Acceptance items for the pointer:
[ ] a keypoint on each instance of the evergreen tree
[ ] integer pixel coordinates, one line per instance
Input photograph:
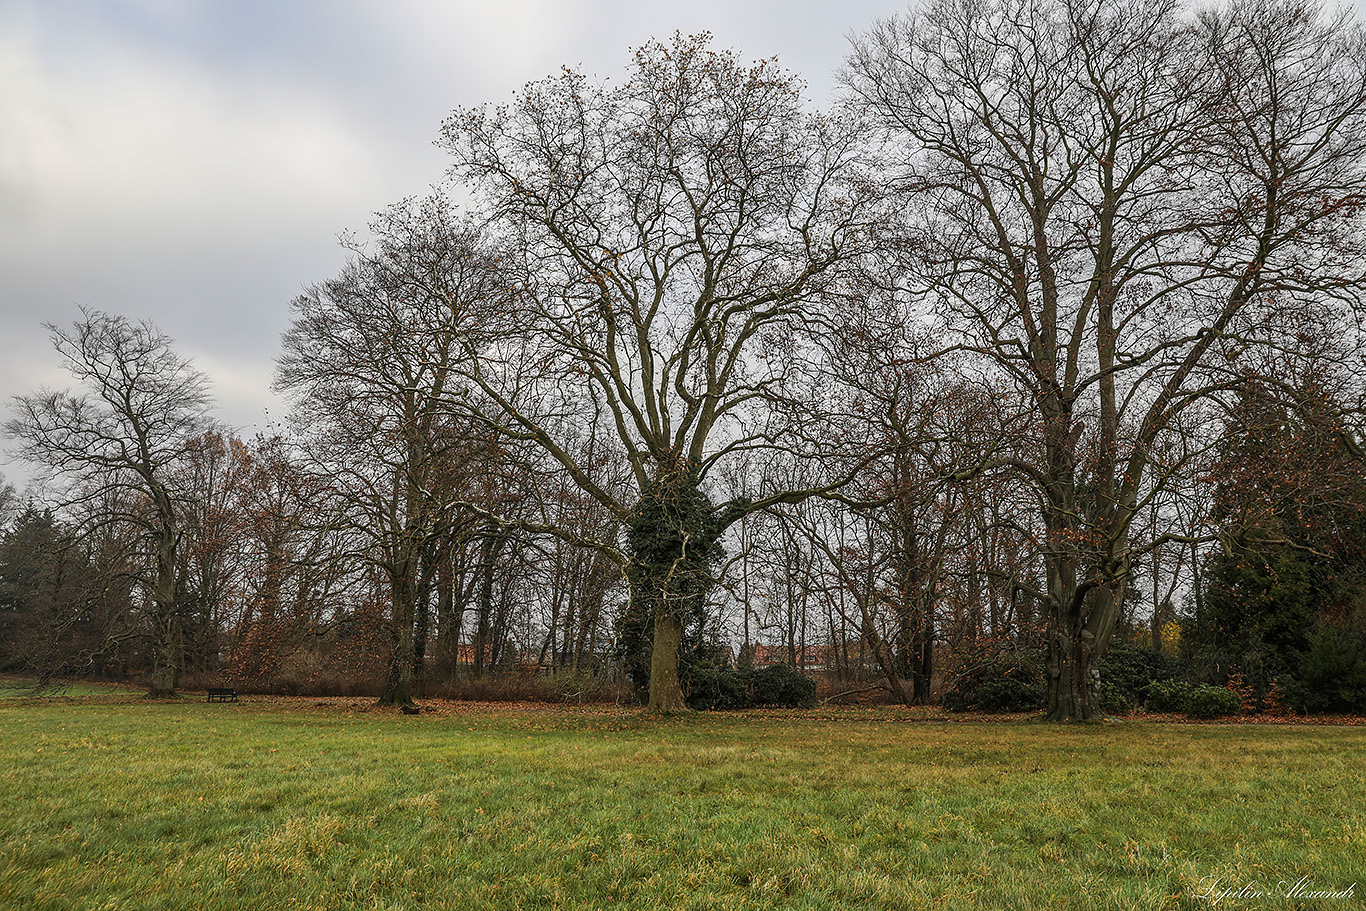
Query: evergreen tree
(1291, 501)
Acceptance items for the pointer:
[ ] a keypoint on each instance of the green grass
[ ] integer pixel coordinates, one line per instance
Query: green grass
(135, 805)
(24, 688)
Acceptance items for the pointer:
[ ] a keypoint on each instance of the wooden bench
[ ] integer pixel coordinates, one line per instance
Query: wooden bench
(222, 694)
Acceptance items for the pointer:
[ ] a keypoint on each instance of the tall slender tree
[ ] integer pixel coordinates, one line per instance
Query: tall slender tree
(372, 367)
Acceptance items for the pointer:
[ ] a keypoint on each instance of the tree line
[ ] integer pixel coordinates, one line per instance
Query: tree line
(1043, 338)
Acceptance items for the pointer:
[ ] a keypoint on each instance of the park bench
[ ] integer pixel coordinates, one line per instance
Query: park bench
(222, 694)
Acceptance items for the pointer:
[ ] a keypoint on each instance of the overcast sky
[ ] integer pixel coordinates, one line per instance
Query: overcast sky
(193, 162)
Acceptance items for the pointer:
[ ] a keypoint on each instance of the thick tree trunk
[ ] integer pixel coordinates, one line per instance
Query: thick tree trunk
(398, 681)
(166, 645)
(165, 672)
(1077, 637)
(485, 626)
(1070, 651)
(887, 663)
(448, 618)
(421, 630)
(671, 541)
(1073, 677)
(666, 695)
(883, 654)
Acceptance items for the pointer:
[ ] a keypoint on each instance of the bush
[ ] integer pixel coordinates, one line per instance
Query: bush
(717, 688)
(1332, 673)
(1126, 673)
(1211, 702)
(1113, 699)
(775, 686)
(1201, 701)
(1007, 681)
(782, 686)
(1168, 696)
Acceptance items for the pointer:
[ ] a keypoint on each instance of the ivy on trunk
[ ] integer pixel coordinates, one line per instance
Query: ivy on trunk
(672, 539)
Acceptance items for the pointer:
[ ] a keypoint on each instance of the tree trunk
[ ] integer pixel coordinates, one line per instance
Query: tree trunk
(166, 646)
(666, 695)
(883, 654)
(922, 670)
(447, 620)
(166, 665)
(1077, 639)
(422, 622)
(486, 626)
(672, 542)
(1070, 652)
(398, 681)
(1072, 677)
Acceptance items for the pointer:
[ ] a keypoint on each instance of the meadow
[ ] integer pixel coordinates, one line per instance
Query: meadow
(114, 802)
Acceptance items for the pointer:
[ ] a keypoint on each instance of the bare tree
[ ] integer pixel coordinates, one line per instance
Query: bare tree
(673, 237)
(371, 364)
(290, 597)
(118, 443)
(9, 503)
(1113, 203)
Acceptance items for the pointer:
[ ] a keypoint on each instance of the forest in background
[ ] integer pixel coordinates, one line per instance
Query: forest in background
(1027, 377)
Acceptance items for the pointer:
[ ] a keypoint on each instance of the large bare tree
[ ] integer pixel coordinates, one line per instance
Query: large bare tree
(117, 445)
(672, 238)
(1111, 201)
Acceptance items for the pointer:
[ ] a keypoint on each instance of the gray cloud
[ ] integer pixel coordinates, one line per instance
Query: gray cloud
(194, 163)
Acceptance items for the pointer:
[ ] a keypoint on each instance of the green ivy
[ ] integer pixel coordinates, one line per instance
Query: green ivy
(673, 545)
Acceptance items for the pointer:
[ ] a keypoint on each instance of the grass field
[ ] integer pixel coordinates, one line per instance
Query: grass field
(117, 803)
(17, 688)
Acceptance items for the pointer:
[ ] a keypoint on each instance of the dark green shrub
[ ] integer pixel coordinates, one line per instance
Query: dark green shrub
(1211, 702)
(1168, 696)
(1113, 699)
(782, 686)
(1005, 681)
(1332, 673)
(717, 688)
(1126, 673)
(775, 686)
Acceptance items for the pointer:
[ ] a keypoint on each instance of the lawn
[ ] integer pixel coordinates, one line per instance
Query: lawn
(22, 688)
(118, 803)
